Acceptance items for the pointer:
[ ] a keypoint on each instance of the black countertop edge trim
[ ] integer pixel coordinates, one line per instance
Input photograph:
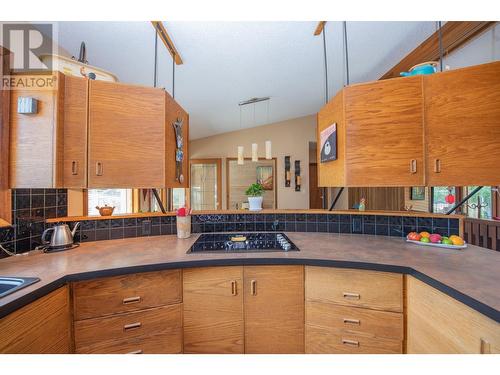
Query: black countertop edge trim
(44, 290)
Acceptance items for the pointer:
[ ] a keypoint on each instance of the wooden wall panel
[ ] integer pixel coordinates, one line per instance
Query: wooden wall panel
(386, 199)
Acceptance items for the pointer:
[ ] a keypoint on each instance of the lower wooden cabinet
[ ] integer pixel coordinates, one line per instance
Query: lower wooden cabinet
(439, 324)
(250, 309)
(40, 327)
(353, 311)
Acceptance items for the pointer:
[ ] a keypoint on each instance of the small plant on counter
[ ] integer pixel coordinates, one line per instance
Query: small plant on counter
(254, 193)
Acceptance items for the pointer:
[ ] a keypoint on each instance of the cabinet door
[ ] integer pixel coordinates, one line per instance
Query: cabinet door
(384, 139)
(126, 136)
(213, 310)
(274, 309)
(439, 324)
(40, 327)
(462, 117)
(75, 132)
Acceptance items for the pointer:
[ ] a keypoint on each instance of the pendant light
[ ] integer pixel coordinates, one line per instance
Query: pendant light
(255, 153)
(268, 150)
(241, 159)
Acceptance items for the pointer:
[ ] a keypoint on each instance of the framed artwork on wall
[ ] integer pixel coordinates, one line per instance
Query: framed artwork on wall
(417, 193)
(265, 177)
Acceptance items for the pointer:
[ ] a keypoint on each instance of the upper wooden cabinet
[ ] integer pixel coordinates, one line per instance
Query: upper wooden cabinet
(126, 136)
(462, 118)
(96, 134)
(436, 130)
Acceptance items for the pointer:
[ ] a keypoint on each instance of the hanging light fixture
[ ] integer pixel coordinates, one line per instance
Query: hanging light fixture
(241, 159)
(255, 153)
(268, 150)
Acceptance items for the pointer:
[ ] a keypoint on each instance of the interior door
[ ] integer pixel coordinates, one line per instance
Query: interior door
(213, 310)
(206, 184)
(126, 136)
(315, 192)
(384, 140)
(274, 309)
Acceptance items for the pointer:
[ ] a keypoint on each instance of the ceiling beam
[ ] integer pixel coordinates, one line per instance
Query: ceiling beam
(454, 35)
(162, 33)
(319, 28)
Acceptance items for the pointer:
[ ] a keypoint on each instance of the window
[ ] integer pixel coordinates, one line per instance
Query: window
(178, 198)
(479, 206)
(121, 199)
(440, 202)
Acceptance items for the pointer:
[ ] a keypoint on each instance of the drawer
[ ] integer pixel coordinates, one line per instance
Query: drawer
(127, 328)
(362, 288)
(112, 295)
(325, 341)
(355, 320)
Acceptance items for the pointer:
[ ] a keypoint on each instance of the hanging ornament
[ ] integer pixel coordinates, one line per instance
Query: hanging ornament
(450, 198)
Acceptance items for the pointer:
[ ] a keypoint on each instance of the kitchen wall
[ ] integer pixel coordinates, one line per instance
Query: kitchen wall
(289, 137)
(422, 205)
(30, 209)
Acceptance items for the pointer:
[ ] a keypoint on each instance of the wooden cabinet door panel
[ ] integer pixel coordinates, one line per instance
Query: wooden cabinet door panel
(274, 309)
(213, 310)
(126, 136)
(40, 327)
(462, 117)
(384, 125)
(75, 132)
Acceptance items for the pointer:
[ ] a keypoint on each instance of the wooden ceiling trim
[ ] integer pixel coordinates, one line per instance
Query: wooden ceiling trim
(319, 28)
(454, 34)
(162, 33)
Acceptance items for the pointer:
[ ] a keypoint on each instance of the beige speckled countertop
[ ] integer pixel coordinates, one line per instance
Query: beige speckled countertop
(471, 275)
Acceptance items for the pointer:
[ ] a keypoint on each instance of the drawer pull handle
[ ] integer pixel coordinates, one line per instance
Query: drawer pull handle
(350, 342)
(234, 288)
(437, 166)
(130, 300)
(352, 321)
(74, 167)
(253, 287)
(98, 168)
(351, 295)
(413, 166)
(130, 326)
(136, 352)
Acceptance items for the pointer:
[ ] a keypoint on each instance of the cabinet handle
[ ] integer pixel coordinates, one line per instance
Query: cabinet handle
(128, 327)
(74, 167)
(351, 295)
(234, 288)
(437, 166)
(98, 168)
(130, 300)
(351, 321)
(413, 166)
(253, 287)
(485, 347)
(350, 342)
(136, 352)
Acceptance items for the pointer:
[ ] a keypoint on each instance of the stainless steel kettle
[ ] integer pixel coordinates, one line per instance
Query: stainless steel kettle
(62, 237)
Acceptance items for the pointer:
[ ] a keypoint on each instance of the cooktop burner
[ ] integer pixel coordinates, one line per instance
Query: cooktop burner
(242, 242)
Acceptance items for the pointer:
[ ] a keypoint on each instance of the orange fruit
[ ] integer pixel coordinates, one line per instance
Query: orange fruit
(425, 234)
(457, 241)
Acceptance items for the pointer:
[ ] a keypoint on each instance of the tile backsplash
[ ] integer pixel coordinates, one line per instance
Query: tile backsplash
(396, 226)
(30, 209)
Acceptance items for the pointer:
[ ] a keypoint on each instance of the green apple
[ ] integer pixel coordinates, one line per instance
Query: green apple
(446, 241)
(425, 239)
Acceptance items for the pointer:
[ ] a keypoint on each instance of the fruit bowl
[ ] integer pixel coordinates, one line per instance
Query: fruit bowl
(445, 246)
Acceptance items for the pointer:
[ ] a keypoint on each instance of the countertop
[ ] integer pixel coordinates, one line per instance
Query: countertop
(471, 276)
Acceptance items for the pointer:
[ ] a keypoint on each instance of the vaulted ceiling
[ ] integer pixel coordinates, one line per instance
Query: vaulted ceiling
(227, 62)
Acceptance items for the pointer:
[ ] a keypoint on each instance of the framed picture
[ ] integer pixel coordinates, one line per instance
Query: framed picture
(417, 193)
(265, 177)
(328, 143)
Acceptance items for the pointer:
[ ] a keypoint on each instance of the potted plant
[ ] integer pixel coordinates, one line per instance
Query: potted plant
(254, 193)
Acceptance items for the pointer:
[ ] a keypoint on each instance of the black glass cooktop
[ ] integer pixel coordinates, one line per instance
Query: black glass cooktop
(242, 242)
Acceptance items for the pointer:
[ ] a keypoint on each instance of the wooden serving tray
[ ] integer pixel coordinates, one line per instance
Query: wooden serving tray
(444, 246)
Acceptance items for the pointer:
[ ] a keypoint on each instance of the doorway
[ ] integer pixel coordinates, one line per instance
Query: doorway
(206, 184)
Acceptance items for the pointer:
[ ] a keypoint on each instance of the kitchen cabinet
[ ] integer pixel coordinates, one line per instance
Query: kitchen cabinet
(126, 136)
(462, 116)
(213, 310)
(439, 324)
(138, 313)
(379, 134)
(250, 309)
(274, 309)
(36, 140)
(353, 311)
(76, 96)
(40, 327)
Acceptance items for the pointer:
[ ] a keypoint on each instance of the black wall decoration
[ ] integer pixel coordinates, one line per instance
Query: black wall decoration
(288, 175)
(328, 143)
(298, 179)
